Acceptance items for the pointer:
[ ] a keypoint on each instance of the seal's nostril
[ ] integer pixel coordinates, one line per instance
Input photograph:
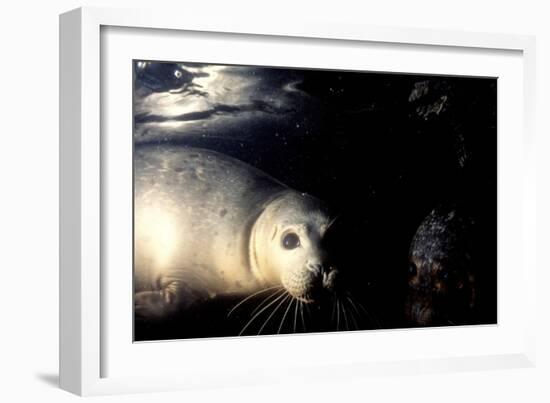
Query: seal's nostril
(315, 268)
(329, 278)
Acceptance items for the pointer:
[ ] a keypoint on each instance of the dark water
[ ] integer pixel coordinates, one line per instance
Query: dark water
(383, 150)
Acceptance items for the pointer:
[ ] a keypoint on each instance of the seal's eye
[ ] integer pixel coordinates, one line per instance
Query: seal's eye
(291, 241)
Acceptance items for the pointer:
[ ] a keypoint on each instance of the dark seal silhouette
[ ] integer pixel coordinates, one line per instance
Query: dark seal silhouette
(442, 283)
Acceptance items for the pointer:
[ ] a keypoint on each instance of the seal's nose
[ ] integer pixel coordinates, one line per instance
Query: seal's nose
(322, 276)
(316, 273)
(329, 278)
(315, 268)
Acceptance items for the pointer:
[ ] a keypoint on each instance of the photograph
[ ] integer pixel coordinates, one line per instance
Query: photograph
(273, 200)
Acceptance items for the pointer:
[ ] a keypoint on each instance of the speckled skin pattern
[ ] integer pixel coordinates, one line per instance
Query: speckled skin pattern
(441, 284)
(205, 223)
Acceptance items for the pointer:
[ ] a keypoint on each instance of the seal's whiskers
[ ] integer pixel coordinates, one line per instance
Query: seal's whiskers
(295, 315)
(260, 312)
(284, 316)
(333, 309)
(273, 312)
(345, 315)
(337, 313)
(352, 317)
(302, 311)
(268, 299)
(308, 312)
(251, 296)
(356, 303)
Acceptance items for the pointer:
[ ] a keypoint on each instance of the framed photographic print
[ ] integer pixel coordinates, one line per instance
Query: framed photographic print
(260, 194)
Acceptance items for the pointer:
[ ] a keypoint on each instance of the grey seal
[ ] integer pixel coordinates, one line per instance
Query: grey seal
(442, 286)
(206, 223)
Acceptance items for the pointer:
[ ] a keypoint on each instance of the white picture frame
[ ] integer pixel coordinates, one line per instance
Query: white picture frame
(85, 344)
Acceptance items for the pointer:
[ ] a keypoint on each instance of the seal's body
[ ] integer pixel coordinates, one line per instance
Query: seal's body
(207, 223)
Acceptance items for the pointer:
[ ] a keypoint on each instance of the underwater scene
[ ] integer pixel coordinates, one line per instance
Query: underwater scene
(273, 200)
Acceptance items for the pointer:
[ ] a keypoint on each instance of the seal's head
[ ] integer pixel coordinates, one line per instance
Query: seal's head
(286, 246)
(440, 278)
